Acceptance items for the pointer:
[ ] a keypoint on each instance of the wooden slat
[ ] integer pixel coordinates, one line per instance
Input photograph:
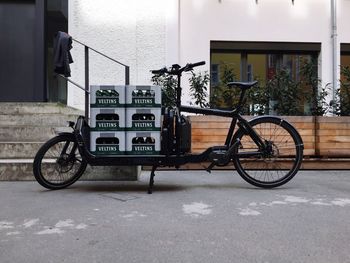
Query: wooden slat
(340, 146)
(334, 139)
(335, 152)
(343, 119)
(332, 134)
(333, 126)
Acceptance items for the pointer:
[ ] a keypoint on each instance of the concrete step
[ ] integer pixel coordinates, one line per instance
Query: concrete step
(19, 149)
(23, 129)
(29, 134)
(22, 170)
(37, 107)
(39, 119)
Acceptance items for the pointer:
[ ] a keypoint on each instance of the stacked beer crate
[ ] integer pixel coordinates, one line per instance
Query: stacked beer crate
(143, 120)
(125, 120)
(107, 120)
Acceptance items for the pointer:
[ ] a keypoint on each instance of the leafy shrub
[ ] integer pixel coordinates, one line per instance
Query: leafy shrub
(198, 88)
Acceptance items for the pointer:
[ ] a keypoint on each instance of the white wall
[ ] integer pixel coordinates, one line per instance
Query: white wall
(149, 34)
(269, 20)
(132, 32)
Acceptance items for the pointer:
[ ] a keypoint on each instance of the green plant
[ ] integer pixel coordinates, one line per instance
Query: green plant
(257, 100)
(168, 84)
(221, 95)
(198, 88)
(342, 104)
(285, 94)
(316, 98)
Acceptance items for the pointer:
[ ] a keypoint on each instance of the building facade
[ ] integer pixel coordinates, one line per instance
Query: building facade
(254, 37)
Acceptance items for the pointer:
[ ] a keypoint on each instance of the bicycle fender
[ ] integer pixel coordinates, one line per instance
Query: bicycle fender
(279, 121)
(67, 134)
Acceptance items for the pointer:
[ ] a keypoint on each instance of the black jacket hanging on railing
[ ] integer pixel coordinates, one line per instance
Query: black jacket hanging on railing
(61, 52)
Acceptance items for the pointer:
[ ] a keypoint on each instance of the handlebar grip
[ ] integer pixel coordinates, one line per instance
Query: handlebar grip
(159, 71)
(197, 64)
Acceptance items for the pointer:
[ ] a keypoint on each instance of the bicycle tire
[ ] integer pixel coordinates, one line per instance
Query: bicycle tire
(282, 165)
(44, 172)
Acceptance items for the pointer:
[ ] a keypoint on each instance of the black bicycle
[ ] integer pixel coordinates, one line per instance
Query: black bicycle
(266, 151)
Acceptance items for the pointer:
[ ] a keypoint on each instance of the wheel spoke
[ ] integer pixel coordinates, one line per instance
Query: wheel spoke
(276, 167)
(59, 166)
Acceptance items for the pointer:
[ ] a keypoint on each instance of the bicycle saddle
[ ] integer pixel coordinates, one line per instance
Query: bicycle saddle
(242, 85)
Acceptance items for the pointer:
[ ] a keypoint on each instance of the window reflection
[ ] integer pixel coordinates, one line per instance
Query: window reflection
(278, 74)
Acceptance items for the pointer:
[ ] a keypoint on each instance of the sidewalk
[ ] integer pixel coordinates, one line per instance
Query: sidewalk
(190, 217)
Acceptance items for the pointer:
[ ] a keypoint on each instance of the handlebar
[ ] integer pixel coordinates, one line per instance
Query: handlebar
(159, 71)
(176, 69)
(201, 63)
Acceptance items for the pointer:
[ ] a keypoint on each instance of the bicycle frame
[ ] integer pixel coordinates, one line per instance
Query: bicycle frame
(233, 150)
(172, 160)
(178, 159)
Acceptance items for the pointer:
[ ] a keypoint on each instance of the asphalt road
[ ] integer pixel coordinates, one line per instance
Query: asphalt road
(190, 217)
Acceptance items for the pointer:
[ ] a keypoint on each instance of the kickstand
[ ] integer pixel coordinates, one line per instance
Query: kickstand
(151, 180)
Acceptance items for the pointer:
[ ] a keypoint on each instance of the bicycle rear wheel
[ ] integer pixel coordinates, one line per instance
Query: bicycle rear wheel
(58, 163)
(283, 161)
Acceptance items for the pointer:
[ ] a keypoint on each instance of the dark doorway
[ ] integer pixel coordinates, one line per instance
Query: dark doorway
(56, 20)
(19, 54)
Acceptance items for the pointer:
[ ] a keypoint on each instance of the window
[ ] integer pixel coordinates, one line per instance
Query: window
(283, 70)
(345, 55)
(344, 91)
(214, 74)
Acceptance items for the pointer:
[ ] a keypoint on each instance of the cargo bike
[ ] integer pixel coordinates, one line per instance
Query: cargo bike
(266, 151)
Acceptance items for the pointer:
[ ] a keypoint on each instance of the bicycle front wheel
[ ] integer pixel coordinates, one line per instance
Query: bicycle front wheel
(58, 163)
(283, 160)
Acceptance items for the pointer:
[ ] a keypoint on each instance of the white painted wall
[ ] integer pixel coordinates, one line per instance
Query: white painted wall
(132, 32)
(150, 34)
(269, 20)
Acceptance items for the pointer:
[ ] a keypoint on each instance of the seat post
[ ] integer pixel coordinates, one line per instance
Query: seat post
(241, 97)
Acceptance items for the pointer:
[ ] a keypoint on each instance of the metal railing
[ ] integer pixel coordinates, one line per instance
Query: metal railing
(86, 87)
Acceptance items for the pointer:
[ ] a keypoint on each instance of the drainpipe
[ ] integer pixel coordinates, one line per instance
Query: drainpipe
(334, 47)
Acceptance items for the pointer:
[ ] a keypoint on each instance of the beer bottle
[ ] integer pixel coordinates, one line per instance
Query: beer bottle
(99, 93)
(114, 117)
(136, 117)
(148, 93)
(99, 117)
(139, 93)
(114, 93)
(150, 140)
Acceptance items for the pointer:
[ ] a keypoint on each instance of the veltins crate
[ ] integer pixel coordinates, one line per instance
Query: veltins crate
(107, 119)
(143, 96)
(143, 143)
(143, 119)
(102, 96)
(107, 143)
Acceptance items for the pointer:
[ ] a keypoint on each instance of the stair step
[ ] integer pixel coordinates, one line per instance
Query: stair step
(24, 127)
(30, 134)
(39, 119)
(19, 149)
(22, 170)
(37, 107)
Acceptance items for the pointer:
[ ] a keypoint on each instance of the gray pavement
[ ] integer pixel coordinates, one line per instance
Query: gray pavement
(190, 217)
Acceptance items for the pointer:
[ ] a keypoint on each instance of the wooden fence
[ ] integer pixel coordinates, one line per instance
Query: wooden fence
(326, 139)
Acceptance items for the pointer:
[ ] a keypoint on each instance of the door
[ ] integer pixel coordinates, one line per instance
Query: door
(19, 57)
